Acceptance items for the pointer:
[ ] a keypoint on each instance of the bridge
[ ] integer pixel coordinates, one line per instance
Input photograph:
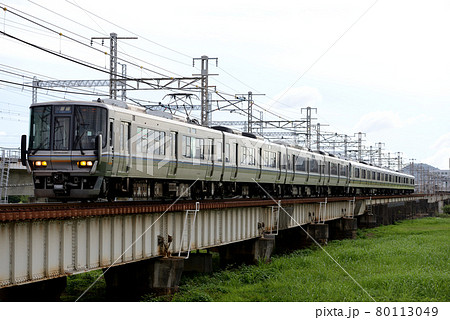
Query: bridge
(147, 245)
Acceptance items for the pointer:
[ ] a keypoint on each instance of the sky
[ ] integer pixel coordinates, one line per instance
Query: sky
(377, 67)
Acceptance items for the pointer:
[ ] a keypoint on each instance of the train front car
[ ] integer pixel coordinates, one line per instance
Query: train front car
(65, 147)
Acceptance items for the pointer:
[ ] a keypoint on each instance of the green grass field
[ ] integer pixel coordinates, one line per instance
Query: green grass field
(408, 261)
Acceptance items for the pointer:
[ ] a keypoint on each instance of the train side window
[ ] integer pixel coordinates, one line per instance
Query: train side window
(243, 155)
(209, 149)
(356, 172)
(300, 164)
(227, 152)
(343, 170)
(251, 156)
(186, 145)
(173, 144)
(111, 133)
(124, 136)
(219, 151)
(313, 166)
(333, 169)
(199, 148)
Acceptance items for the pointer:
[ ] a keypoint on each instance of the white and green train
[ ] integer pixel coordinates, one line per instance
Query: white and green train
(109, 149)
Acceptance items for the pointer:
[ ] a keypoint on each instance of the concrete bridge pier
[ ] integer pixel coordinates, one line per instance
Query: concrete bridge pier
(291, 239)
(41, 291)
(247, 252)
(344, 228)
(367, 221)
(129, 282)
(198, 262)
(319, 231)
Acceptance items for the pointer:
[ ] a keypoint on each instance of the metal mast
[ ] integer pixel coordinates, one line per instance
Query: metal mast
(113, 62)
(205, 101)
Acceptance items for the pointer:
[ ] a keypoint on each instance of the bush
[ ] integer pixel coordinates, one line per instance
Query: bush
(446, 209)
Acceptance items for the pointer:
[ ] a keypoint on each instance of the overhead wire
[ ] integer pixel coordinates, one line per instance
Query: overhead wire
(140, 36)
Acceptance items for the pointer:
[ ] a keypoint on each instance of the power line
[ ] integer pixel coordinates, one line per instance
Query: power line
(328, 49)
(114, 24)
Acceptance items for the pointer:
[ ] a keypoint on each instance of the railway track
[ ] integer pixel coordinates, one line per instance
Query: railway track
(40, 211)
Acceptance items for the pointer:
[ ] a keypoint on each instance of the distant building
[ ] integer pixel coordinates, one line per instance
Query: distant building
(428, 179)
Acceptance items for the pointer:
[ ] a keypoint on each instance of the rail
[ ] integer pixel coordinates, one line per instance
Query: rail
(21, 212)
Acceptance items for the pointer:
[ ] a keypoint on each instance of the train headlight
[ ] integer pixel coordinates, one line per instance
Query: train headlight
(40, 164)
(84, 164)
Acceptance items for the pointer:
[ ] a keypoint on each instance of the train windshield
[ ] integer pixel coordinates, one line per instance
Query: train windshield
(89, 123)
(40, 128)
(66, 127)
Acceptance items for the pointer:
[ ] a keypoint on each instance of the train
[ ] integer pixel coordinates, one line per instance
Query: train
(110, 149)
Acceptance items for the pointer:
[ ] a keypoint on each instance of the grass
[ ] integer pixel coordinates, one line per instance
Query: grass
(408, 261)
(77, 284)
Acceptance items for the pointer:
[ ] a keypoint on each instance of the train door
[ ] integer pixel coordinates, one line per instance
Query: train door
(124, 147)
(259, 164)
(209, 145)
(292, 167)
(110, 163)
(327, 172)
(278, 166)
(173, 153)
(234, 160)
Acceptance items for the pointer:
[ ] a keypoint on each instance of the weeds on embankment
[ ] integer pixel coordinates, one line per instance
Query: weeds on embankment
(408, 261)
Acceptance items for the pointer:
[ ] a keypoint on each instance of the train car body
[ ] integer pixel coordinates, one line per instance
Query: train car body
(109, 149)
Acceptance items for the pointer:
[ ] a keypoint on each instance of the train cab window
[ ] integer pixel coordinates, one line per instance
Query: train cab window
(300, 164)
(89, 122)
(61, 133)
(40, 127)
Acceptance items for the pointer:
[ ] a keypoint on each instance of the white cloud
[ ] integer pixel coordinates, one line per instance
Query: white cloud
(441, 152)
(385, 120)
(297, 98)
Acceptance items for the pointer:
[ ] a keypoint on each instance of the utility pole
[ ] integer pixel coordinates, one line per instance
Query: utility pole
(249, 108)
(308, 125)
(206, 107)
(318, 136)
(380, 144)
(399, 161)
(360, 135)
(112, 61)
(345, 146)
